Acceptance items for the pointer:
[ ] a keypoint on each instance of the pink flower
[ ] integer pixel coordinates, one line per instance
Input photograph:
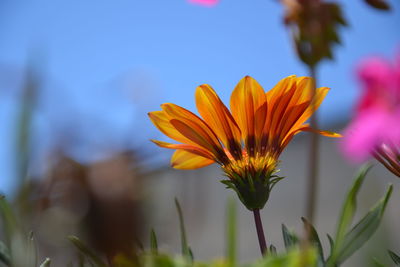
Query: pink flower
(208, 3)
(375, 129)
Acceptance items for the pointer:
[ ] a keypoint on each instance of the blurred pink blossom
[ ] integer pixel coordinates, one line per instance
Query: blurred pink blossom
(208, 3)
(375, 129)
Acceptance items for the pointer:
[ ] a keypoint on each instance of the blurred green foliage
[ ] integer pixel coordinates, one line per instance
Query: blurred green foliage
(19, 247)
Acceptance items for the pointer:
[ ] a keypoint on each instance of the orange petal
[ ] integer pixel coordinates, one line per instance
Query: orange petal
(185, 160)
(320, 94)
(193, 128)
(279, 89)
(192, 149)
(299, 103)
(305, 87)
(161, 121)
(279, 109)
(290, 118)
(307, 128)
(321, 132)
(198, 136)
(246, 99)
(274, 97)
(218, 117)
(290, 105)
(261, 117)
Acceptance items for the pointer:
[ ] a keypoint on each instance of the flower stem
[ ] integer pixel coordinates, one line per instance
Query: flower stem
(312, 183)
(260, 232)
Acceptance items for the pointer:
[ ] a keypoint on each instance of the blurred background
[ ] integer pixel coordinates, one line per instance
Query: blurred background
(77, 79)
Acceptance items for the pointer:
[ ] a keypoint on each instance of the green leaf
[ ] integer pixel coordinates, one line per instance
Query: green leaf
(9, 221)
(90, 255)
(289, 238)
(331, 243)
(364, 229)
(5, 254)
(45, 263)
(395, 258)
(153, 242)
(191, 257)
(314, 238)
(231, 233)
(377, 263)
(272, 250)
(349, 208)
(185, 247)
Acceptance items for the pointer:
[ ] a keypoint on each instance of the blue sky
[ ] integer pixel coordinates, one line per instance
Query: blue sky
(105, 64)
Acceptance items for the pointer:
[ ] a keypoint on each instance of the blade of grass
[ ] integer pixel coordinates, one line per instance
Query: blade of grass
(10, 223)
(231, 233)
(185, 247)
(86, 251)
(153, 242)
(5, 254)
(45, 263)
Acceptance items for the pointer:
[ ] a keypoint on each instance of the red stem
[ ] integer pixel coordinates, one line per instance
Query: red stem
(260, 232)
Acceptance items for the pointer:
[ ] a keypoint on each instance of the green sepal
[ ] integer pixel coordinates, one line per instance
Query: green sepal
(253, 192)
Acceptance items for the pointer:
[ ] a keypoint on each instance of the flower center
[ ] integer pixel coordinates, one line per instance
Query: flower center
(250, 167)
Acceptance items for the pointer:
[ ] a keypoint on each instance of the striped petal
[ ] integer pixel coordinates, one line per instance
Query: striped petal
(246, 99)
(184, 160)
(321, 132)
(292, 115)
(320, 94)
(307, 128)
(274, 97)
(218, 117)
(279, 89)
(188, 148)
(193, 128)
(279, 109)
(161, 121)
(261, 118)
(291, 105)
(304, 90)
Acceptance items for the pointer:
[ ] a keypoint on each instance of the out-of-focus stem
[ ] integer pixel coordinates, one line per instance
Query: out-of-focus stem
(313, 167)
(24, 124)
(260, 232)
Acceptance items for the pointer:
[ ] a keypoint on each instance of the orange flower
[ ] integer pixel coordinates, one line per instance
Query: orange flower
(245, 141)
